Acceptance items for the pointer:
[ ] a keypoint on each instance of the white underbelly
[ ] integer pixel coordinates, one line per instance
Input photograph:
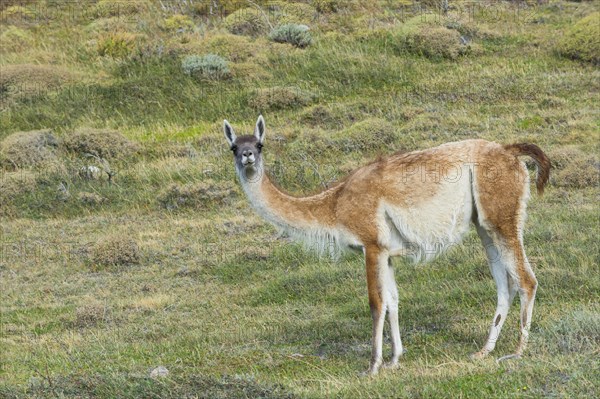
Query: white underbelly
(426, 229)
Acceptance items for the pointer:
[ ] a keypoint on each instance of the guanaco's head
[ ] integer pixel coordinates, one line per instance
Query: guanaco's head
(247, 149)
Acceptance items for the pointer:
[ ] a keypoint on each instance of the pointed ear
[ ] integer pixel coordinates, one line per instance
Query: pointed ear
(259, 130)
(229, 134)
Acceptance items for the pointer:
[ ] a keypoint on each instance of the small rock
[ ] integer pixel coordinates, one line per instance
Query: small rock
(159, 372)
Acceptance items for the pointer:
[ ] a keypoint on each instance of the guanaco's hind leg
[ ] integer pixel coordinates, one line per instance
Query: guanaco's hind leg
(505, 292)
(513, 274)
(526, 283)
(391, 297)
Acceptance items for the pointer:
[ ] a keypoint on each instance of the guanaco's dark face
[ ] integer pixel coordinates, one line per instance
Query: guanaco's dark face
(247, 149)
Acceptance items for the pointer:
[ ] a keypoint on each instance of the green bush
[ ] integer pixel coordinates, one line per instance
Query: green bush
(179, 23)
(208, 66)
(247, 21)
(297, 35)
(582, 41)
(117, 44)
(278, 97)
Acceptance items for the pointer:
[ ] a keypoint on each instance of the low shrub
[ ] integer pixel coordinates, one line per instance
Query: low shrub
(279, 97)
(210, 66)
(247, 21)
(17, 13)
(577, 332)
(116, 8)
(424, 35)
(103, 143)
(369, 135)
(297, 35)
(179, 23)
(325, 6)
(91, 314)
(91, 199)
(250, 72)
(318, 115)
(582, 40)
(436, 42)
(28, 149)
(231, 47)
(580, 173)
(199, 195)
(116, 250)
(13, 185)
(574, 168)
(28, 80)
(118, 44)
(15, 39)
(292, 13)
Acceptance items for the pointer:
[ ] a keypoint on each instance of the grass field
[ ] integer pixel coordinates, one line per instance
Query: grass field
(103, 279)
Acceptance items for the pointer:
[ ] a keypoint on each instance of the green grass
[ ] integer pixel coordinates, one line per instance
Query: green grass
(230, 308)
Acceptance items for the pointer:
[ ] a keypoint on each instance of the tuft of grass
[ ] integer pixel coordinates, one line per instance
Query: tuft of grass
(326, 6)
(18, 13)
(201, 195)
(103, 143)
(574, 168)
(12, 186)
(179, 23)
(577, 332)
(116, 250)
(292, 13)
(436, 42)
(28, 149)
(234, 48)
(119, 44)
(210, 66)
(119, 8)
(14, 38)
(279, 97)
(90, 199)
(297, 35)
(582, 40)
(247, 21)
(91, 314)
(24, 81)
(369, 135)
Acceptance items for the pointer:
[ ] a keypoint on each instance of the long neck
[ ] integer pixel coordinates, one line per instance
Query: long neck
(292, 213)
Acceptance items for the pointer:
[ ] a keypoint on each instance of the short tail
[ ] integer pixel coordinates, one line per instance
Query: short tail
(541, 160)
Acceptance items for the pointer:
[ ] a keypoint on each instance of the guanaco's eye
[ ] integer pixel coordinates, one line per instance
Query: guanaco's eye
(259, 146)
(234, 148)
